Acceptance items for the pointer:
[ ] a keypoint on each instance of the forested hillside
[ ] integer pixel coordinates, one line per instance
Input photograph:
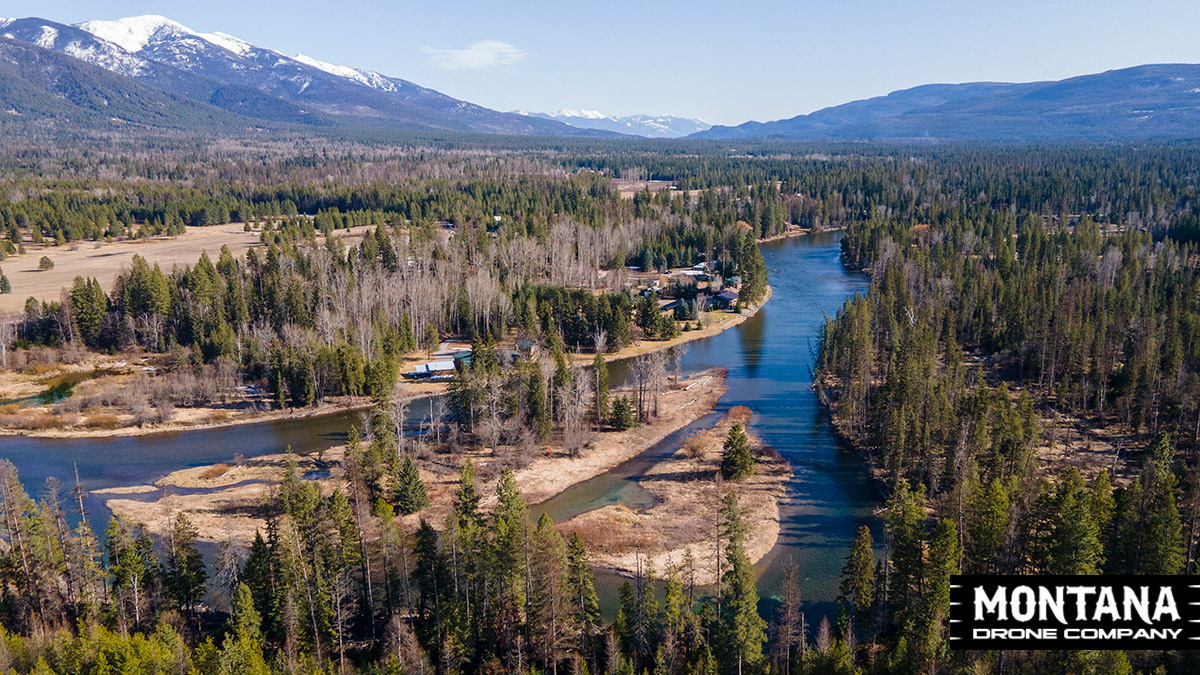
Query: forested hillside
(1022, 377)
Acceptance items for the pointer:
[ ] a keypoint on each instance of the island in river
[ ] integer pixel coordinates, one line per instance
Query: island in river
(769, 357)
(222, 501)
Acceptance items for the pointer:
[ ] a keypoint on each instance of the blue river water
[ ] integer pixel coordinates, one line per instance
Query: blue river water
(769, 358)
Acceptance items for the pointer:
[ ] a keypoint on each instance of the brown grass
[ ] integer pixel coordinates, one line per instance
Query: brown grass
(215, 471)
(101, 421)
(43, 422)
(105, 260)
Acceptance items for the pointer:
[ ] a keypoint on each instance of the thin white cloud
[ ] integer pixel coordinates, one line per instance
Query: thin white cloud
(483, 54)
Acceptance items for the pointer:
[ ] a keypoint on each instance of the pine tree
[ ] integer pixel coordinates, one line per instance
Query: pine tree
(622, 414)
(743, 631)
(549, 613)
(242, 652)
(411, 495)
(508, 547)
(989, 524)
(585, 603)
(1075, 543)
(466, 500)
(857, 590)
(89, 304)
(599, 390)
(648, 315)
(905, 519)
(753, 272)
(941, 563)
(737, 460)
(185, 565)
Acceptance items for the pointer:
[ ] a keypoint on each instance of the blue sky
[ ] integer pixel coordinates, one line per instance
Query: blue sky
(726, 62)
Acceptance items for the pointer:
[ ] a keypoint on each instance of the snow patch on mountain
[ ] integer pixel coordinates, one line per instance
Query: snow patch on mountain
(651, 126)
(135, 33)
(581, 114)
(108, 57)
(47, 37)
(236, 45)
(364, 77)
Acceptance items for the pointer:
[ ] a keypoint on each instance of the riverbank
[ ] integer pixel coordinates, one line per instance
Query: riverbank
(101, 410)
(224, 500)
(685, 519)
(714, 323)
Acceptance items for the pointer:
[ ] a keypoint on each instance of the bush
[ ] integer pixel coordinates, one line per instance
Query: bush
(45, 263)
(694, 447)
(101, 421)
(215, 471)
(622, 414)
(43, 422)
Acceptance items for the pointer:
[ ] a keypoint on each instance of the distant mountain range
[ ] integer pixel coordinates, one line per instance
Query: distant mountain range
(152, 71)
(1141, 103)
(226, 73)
(649, 126)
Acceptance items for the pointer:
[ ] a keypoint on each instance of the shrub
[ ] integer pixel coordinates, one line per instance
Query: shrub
(694, 447)
(622, 414)
(45, 263)
(218, 416)
(101, 421)
(43, 422)
(215, 471)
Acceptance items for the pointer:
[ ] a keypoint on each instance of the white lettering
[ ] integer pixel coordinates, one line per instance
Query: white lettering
(1081, 593)
(1140, 602)
(1023, 613)
(1052, 602)
(1107, 604)
(1166, 605)
(994, 605)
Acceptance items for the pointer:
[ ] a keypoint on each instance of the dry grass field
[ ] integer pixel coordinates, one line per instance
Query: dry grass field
(104, 260)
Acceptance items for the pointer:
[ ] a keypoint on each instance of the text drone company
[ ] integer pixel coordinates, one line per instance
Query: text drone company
(1074, 612)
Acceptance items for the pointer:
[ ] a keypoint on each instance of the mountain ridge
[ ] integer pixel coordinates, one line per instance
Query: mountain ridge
(42, 85)
(1147, 102)
(231, 73)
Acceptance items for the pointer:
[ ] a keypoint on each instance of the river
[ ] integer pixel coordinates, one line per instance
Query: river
(769, 358)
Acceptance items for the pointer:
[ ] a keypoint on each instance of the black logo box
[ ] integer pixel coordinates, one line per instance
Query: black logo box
(1126, 631)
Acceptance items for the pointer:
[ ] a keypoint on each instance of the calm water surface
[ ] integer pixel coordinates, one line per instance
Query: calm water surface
(769, 358)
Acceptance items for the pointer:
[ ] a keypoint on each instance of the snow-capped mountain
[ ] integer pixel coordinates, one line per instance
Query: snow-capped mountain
(650, 126)
(234, 74)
